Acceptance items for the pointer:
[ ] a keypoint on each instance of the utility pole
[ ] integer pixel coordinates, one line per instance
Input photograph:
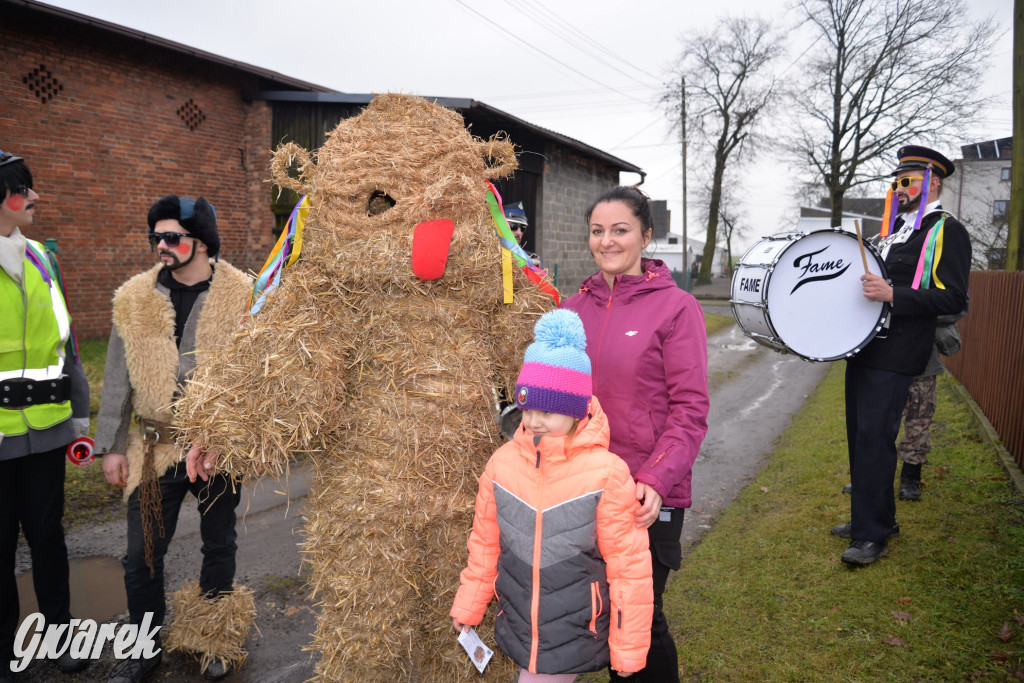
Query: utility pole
(1014, 241)
(682, 120)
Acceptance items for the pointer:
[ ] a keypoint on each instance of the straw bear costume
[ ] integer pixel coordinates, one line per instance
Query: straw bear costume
(386, 379)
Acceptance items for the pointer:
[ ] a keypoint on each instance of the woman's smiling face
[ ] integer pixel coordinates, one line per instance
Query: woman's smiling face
(616, 239)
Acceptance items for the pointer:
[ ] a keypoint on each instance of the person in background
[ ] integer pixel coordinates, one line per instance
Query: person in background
(648, 350)
(578, 597)
(44, 406)
(165, 319)
(515, 215)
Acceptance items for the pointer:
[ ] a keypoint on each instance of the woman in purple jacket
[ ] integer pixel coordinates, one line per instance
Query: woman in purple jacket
(648, 352)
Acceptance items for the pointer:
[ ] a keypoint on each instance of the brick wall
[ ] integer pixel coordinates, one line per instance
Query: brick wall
(113, 136)
(571, 182)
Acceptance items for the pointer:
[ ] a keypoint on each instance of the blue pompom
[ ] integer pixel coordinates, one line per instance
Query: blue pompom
(560, 328)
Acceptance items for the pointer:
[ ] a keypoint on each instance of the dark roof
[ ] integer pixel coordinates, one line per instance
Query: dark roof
(474, 109)
(82, 19)
(990, 149)
(852, 206)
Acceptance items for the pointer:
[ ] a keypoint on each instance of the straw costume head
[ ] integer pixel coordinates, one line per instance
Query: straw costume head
(379, 355)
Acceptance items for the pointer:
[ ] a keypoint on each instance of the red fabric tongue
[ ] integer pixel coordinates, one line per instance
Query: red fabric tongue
(430, 243)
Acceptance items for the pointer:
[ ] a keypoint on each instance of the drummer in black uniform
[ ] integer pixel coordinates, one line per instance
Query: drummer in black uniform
(927, 254)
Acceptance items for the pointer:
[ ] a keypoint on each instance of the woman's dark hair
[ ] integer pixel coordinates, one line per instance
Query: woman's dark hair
(15, 177)
(637, 201)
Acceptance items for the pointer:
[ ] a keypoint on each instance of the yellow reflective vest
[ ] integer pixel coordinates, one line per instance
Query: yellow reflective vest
(34, 328)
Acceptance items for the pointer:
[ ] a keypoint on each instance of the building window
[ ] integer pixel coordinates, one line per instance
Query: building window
(673, 239)
(1000, 208)
(1004, 173)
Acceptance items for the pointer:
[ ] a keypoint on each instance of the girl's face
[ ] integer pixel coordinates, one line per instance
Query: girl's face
(616, 239)
(540, 423)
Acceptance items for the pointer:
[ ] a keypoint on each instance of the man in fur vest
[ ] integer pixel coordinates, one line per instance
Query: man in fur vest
(165, 320)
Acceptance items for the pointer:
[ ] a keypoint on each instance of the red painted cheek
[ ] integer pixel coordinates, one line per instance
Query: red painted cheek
(913, 191)
(16, 202)
(182, 248)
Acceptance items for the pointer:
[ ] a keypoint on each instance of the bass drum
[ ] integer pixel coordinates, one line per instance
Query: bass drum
(801, 293)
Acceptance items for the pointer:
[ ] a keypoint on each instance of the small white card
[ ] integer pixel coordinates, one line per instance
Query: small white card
(475, 648)
(665, 515)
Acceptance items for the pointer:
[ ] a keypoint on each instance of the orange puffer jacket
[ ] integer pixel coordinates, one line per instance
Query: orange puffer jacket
(554, 539)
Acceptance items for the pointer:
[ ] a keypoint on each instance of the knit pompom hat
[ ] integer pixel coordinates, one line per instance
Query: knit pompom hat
(556, 370)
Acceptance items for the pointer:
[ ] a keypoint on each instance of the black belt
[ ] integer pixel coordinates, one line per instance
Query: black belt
(20, 392)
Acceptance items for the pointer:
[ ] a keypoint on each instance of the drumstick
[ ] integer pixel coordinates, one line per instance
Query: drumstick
(860, 241)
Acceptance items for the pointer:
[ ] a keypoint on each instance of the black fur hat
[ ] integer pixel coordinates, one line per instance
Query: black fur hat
(195, 215)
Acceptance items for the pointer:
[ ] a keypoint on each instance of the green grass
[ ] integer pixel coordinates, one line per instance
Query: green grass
(87, 495)
(765, 596)
(714, 323)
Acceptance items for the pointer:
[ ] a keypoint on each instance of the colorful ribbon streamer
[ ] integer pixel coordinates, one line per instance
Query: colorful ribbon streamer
(931, 254)
(284, 254)
(510, 249)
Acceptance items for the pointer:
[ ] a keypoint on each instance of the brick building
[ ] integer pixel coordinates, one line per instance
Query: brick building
(109, 119)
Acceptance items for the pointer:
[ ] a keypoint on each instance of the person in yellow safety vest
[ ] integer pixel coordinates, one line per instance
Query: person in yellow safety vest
(44, 405)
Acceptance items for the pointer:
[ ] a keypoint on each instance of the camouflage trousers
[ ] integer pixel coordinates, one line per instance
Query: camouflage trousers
(917, 421)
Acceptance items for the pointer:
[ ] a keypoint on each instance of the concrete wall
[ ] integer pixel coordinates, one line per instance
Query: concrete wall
(571, 182)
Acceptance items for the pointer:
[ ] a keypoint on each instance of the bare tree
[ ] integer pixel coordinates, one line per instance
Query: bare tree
(727, 94)
(883, 73)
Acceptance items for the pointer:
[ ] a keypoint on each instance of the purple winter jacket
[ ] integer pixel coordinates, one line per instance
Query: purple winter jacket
(649, 360)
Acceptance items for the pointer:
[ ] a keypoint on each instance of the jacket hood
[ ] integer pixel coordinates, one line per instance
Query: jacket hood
(656, 275)
(593, 431)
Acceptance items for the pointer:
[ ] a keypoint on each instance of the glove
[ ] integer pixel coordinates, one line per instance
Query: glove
(81, 425)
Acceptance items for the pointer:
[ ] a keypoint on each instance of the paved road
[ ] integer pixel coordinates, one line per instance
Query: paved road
(754, 393)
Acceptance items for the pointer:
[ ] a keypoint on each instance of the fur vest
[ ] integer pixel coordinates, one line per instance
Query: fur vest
(157, 367)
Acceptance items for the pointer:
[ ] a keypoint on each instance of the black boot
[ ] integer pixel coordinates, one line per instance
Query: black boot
(910, 482)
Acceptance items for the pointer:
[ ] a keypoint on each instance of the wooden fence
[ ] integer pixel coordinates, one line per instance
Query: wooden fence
(991, 362)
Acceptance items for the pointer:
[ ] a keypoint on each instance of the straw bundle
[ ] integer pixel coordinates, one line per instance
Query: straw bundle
(388, 380)
(211, 628)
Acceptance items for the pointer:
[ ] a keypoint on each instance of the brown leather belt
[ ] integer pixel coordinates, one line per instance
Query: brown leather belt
(156, 432)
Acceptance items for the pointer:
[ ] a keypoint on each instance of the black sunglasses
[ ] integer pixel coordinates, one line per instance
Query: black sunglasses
(171, 239)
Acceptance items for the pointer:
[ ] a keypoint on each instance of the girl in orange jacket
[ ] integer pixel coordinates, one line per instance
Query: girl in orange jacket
(554, 537)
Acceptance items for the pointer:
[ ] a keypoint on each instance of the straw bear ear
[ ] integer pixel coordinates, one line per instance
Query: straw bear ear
(499, 154)
(287, 156)
(561, 328)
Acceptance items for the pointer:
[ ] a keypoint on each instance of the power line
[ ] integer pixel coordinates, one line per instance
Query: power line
(542, 52)
(571, 28)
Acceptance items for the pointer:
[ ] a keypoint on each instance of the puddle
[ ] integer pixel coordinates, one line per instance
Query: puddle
(97, 589)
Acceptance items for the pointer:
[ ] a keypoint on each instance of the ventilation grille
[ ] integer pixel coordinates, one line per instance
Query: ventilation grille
(191, 115)
(42, 83)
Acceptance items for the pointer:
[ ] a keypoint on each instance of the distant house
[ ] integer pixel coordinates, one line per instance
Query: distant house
(668, 246)
(978, 194)
(865, 211)
(110, 119)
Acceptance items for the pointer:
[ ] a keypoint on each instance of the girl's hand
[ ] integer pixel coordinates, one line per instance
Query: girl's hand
(650, 501)
(458, 625)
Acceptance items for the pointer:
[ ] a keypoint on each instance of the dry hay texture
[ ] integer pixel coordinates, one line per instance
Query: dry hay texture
(386, 380)
(212, 629)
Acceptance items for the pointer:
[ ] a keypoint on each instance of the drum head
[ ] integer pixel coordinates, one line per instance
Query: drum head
(815, 299)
